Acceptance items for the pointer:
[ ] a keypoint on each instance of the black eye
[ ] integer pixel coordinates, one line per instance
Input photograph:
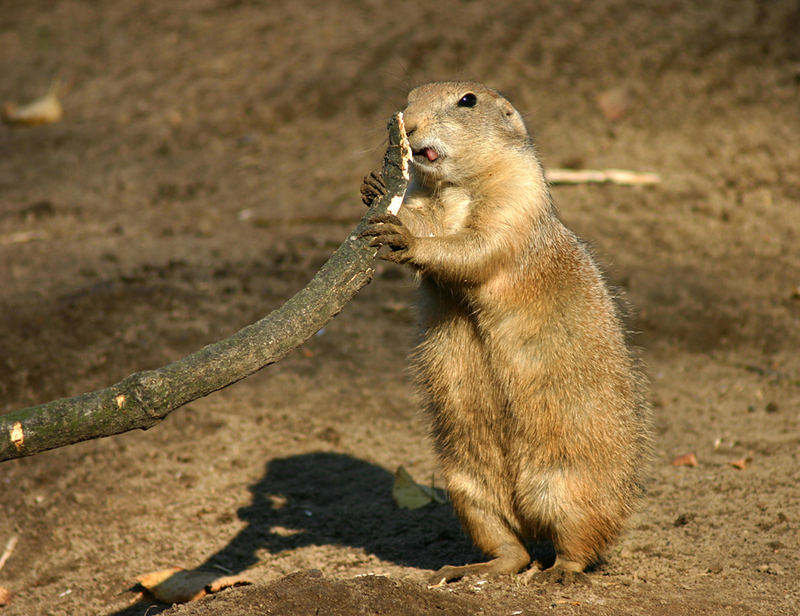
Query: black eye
(468, 100)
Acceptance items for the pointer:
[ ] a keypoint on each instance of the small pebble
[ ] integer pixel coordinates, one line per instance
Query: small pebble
(772, 569)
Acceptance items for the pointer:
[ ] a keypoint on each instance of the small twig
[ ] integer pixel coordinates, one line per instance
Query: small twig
(780, 377)
(223, 569)
(12, 543)
(596, 176)
(22, 237)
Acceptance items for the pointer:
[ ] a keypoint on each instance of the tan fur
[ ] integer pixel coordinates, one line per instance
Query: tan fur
(536, 403)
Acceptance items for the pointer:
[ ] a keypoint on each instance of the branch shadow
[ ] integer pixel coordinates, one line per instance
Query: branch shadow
(334, 499)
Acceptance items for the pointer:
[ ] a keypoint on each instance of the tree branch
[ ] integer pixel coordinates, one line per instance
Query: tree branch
(145, 398)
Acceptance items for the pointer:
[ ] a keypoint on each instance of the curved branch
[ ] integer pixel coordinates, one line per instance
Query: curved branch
(145, 398)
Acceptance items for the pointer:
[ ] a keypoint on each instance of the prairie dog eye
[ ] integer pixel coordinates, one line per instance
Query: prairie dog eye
(468, 100)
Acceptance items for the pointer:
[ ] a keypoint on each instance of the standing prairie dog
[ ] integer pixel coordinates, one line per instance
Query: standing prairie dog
(539, 418)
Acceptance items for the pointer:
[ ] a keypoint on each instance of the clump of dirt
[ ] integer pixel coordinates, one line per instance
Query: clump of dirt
(308, 592)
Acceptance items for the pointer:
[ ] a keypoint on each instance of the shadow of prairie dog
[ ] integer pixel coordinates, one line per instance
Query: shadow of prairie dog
(538, 412)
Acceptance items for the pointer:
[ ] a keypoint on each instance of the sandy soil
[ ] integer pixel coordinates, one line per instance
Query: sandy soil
(209, 161)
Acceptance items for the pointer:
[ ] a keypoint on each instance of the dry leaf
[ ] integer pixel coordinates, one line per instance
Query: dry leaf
(687, 459)
(5, 596)
(741, 463)
(176, 585)
(408, 494)
(615, 103)
(228, 581)
(44, 110)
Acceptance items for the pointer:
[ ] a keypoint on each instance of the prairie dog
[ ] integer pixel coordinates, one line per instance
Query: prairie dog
(537, 406)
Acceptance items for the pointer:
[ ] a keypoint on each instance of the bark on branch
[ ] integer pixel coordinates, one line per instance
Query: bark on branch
(145, 398)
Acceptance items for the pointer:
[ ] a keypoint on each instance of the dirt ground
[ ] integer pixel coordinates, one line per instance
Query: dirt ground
(209, 161)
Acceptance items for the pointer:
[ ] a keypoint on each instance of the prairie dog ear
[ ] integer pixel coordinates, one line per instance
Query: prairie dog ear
(515, 122)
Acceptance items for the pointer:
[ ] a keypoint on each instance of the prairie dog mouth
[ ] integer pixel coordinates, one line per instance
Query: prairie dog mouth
(427, 154)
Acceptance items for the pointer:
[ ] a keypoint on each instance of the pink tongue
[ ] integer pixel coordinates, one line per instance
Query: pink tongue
(431, 154)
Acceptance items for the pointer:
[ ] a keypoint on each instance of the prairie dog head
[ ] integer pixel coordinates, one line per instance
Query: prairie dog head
(459, 129)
